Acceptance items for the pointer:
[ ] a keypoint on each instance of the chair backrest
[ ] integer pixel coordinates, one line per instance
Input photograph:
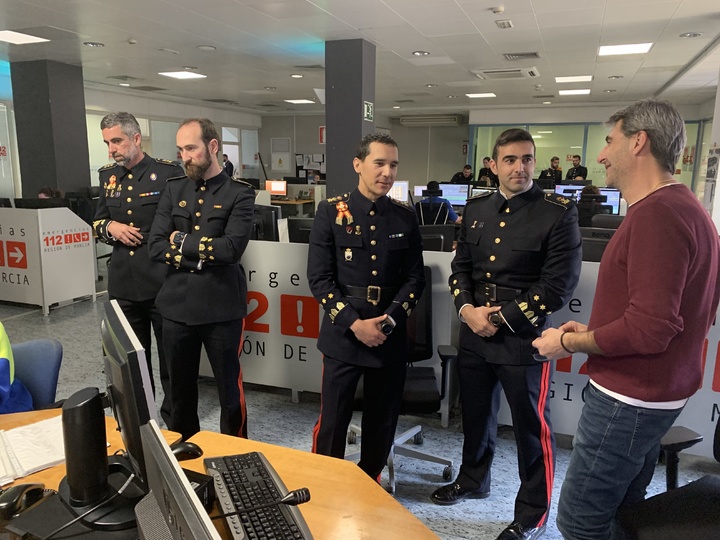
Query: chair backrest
(419, 324)
(37, 365)
(432, 212)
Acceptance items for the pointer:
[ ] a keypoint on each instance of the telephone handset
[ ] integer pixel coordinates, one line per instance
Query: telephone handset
(17, 499)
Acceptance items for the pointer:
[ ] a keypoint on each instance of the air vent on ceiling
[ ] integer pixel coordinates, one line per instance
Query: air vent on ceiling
(218, 100)
(521, 56)
(312, 67)
(267, 105)
(149, 88)
(404, 101)
(507, 73)
(545, 96)
(125, 78)
(432, 120)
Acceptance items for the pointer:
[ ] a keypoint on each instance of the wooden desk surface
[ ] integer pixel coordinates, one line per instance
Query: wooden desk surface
(293, 201)
(345, 503)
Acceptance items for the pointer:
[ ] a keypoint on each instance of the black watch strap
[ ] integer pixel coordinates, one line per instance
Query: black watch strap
(178, 238)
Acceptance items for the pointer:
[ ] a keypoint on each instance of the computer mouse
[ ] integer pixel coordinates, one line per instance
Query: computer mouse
(17, 498)
(186, 450)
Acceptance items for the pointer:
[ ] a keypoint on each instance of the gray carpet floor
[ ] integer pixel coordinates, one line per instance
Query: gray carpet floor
(274, 418)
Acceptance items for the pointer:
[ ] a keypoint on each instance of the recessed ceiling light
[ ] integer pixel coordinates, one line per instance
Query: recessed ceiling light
(544, 132)
(547, 102)
(270, 88)
(420, 53)
(171, 51)
(93, 44)
(296, 76)
(578, 78)
(579, 92)
(482, 95)
(124, 84)
(610, 91)
(575, 147)
(299, 101)
(615, 77)
(451, 97)
(633, 48)
(504, 24)
(17, 38)
(182, 75)
(431, 85)
(690, 35)
(206, 47)
(396, 106)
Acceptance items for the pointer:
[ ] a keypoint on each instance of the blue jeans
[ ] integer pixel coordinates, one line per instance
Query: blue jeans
(614, 455)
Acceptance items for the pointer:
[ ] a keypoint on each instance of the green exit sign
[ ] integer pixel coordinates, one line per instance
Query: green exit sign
(368, 111)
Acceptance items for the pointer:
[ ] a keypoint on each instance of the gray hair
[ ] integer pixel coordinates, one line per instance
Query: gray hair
(664, 127)
(127, 122)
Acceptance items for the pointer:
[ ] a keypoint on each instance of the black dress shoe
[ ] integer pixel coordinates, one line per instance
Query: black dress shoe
(454, 493)
(516, 531)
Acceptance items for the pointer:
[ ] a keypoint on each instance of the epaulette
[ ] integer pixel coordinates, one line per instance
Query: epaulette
(559, 200)
(339, 198)
(241, 181)
(176, 178)
(106, 167)
(401, 204)
(166, 161)
(480, 196)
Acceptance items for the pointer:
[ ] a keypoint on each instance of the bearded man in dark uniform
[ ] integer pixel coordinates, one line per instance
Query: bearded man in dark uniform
(130, 191)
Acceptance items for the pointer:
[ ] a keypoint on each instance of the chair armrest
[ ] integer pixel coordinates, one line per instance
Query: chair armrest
(448, 356)
(679, 438)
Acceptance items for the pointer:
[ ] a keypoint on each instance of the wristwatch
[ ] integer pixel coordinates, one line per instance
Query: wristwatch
(387, 326)
(178, 238)
(496, 319)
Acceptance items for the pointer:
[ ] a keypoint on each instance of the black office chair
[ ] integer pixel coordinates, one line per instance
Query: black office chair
(691, 511)
(432, 212)
(420, 395)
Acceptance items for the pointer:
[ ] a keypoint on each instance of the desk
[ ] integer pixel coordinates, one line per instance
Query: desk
(345, 504)
(295, 208)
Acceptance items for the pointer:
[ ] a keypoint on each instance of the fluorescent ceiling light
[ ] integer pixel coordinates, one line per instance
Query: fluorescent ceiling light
(296, 76)
(299, 101)
(544, 131)
(578, 78)
(485, 95)
(547, 102)
(182, 75)
(577, 147)
(634, 48)
(580, 92)
(124, 84)
(396, 106)
(16, 38)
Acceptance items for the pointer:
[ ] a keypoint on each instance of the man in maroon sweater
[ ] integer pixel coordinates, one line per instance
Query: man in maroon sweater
(656, 298)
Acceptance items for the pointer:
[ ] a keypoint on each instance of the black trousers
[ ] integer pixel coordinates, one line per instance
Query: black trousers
(141, 316)
(182, 344)
(382, 396)
(527, 390)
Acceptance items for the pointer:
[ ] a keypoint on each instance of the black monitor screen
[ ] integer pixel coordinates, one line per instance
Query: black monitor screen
(264, 224)
(299, 229)
(574, 191)
(594, 242)
(433, 232)
(295, 179)
(171, 509)
(39, 204)
(128, 381)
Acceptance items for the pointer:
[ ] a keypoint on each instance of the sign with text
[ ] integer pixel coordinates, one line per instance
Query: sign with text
(368, 111)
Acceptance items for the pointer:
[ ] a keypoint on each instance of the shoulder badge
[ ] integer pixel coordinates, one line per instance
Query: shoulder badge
(240, 181)
(559, 200)
(107, 167)
(480, 195)
(176, 178)
(401, 204)
(166, 161)
(339, 198)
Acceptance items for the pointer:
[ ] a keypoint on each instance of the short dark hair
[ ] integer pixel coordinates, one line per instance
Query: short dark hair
(486, 158)
(208, 131)
(432, 185)
(664, 127)
(364, 149)
(554, 158)
(127, 122)
(577, 156)
(467, 168)
(510, 136)
(590, 189)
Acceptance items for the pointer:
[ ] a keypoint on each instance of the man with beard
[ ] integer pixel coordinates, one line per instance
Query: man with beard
(130, 191)
(201, 230)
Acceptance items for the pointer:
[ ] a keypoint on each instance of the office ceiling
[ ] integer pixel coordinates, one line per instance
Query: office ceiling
(258, 44)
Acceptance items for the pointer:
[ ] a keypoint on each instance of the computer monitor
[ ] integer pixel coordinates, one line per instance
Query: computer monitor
(474, 192)
(399, 191)
(5, 202)
(594, 242)
(276, 187)
(569, 190)
(265, 223)
(457, 194)
(171, 509)
(299, 229)
(39, 204)
(417, 191)
(432, 232)
(613, 199)
(295, 180)
(128, 382)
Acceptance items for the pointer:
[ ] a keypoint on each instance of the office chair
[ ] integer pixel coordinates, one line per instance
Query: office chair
(605, 221)
(420, 395)
(432, 212)
(691, 511)
(37, 365)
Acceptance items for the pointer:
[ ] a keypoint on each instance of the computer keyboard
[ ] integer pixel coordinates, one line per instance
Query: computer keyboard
(248, 480)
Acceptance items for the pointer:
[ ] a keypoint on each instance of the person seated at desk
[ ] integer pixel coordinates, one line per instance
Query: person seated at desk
(553, 174)
(591, 204)
(434, 197)
(49, 193)
(463, 177)
(577, 171)
(486, 177)
(14, 397)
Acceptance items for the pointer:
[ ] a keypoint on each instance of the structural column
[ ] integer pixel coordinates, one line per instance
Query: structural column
(350, 99)
(49, 103)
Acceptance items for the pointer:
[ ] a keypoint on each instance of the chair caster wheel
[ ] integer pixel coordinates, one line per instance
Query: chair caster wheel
(418, 438)
(447, 473)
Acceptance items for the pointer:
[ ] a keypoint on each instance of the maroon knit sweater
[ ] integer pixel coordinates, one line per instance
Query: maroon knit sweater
(656, 298)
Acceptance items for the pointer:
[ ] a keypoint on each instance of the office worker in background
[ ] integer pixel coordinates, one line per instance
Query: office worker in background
(577, 171)
(588, 207)
(656, 298)
(463, 177)
(433, 186)
(518, 259)
(200, 232)
(228, 166)
(130, 190)
(486, 176)
(552, 173)
(47, 192)
(365, 267)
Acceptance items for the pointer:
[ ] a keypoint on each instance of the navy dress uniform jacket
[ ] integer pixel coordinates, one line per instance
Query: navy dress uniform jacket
(217, 215)
(530, 243)
(367, 244)
(131, 196)
(577, 171)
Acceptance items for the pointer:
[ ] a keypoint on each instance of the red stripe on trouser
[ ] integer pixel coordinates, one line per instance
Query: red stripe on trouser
(316, 428)
(545, 437)
(243, 404)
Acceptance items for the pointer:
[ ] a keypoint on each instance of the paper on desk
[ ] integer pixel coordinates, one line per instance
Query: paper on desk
(28, 449)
